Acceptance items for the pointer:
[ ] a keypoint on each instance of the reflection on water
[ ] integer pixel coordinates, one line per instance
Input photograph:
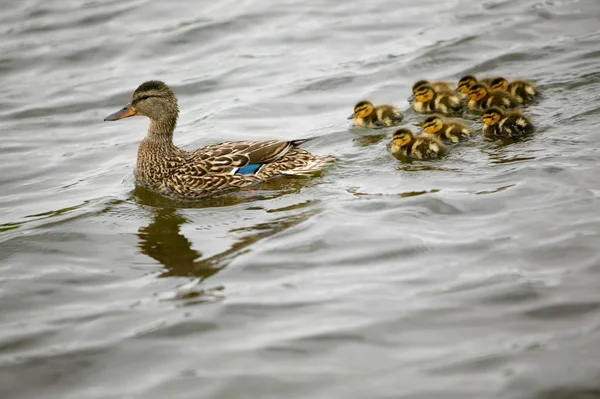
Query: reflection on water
(370, 139)
(504, 153)
(163, 241)
(271, 189)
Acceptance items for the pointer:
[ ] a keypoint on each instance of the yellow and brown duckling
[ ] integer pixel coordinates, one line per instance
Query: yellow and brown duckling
(523, 91)
(448, 131)
(502, 123)
(426, 100)
(481, 98)
(438, 85)
(467, 82)
(422, 146)
(375, 117)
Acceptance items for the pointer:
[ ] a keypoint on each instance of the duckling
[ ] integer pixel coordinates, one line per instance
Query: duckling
(375, 117)
(426, 100)
(467, 82)
(449, 131)
(501, 123)
(523, 91)
(423, 146)
(480, 99)
(437, 85)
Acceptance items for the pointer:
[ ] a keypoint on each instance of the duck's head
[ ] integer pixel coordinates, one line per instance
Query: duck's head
(499, 84)
(414, 88)
(153, 99)
(478, 92)
(362, 110)
(420, 83)
(422, 93)
(492, 116)
(432, 124)
(402, 137)
(466, 83)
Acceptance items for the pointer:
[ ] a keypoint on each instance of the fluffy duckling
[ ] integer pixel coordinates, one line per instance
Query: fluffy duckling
(501, 123)
(423, 146)
(449, 131)
(375, 117)
(523, 91)
(426, 100)
(437, 85)
(481, 98)
(467, 82)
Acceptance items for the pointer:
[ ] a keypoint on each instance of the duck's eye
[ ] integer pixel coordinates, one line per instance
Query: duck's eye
(145, 97)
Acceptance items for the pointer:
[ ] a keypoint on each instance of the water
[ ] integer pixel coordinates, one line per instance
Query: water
(472, 277)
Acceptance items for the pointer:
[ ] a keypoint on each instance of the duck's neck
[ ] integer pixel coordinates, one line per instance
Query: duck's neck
(157, 152)
(161, 131)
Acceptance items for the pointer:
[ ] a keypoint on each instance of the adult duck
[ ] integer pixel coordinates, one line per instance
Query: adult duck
(183, 174)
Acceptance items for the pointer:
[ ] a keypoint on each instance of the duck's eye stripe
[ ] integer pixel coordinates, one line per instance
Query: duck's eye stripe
(144, 97)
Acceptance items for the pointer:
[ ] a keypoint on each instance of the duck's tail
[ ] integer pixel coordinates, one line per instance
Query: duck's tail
(311, 166)
(299, 142)
(296, 162)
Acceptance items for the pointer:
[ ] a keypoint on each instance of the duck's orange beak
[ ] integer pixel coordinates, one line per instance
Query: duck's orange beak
(125, 112)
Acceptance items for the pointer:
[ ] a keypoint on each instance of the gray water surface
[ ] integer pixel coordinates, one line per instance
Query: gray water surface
(473, 277)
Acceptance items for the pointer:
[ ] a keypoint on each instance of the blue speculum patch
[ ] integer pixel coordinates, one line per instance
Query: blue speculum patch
(249, 169)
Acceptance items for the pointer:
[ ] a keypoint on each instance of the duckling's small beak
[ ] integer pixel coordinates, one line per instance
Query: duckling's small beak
(412, 98)
(419, 131)
(458, 90)
(352, 116)
(124, 112)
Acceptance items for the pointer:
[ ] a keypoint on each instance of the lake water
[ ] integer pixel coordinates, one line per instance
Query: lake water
(476, 276)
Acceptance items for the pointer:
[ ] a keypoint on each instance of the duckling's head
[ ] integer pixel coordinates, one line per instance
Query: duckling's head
(432, 124)
(420, 83)
(362, 110)
(492, 116)
(422, 93)
(478, 92)
(153, 99)
(402, 137)
(466, 83)
(499, 84)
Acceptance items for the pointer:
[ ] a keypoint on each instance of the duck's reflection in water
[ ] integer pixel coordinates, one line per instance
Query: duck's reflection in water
(163, 241)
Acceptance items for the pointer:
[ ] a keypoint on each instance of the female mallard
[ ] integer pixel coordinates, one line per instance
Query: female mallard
(175, 172)
(375, 117)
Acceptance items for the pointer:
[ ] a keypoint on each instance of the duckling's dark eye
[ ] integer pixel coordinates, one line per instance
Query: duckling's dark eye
(145, 97)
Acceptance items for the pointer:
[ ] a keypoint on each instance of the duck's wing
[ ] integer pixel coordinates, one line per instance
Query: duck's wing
(195, 187)
(244, 157)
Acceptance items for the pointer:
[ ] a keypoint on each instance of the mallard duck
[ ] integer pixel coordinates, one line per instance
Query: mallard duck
(448, 131)
(375, 117)
(175, 172)
(426, 100)
(422, 146)
(467, 82)
(502, 123)
(480, 99)
(523, 91)
(437, 85)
